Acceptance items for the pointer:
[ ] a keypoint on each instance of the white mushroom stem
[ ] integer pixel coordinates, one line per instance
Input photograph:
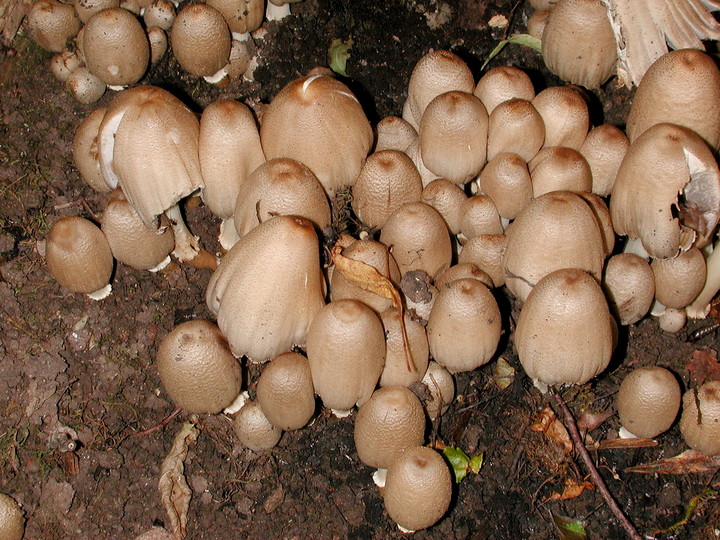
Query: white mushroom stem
(187, 245)
(228, 234)
(101, 294)
(276, 13)
(700, 307)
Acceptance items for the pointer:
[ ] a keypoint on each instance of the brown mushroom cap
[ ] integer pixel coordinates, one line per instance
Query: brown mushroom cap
(604, 149)
(441, 385)
(396, 372)
(502, 83)
(242, 17)
(536, 22)
(394, 133)
(160, 14)
(12, 520)
(447, 198)
(602, 215)
(629, 284)
(479, 216)
(157, 38)
(116, 47)
(85, 86)
(51, 24)
(64, 63)
(87, 8)
(200, 40)
(565, 115)
(700, 420)
(515, 126)
(648, 401)
(557, 168)
(565, 333)
(679, 279)
(487, 252)
(418, 488)
(285, 391)
(197, 369)
(254, 429)
(506, 180)
(86, 152)
(346, 350)
(391, 420)
(78, 256)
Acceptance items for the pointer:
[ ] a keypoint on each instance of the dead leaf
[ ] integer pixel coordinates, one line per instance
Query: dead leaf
(704, 366)
(690, 461)
(547, 422)
(274, 500)
(173, 487)
(614, 444)
(503, 374)
(589, 421)
(572, 489)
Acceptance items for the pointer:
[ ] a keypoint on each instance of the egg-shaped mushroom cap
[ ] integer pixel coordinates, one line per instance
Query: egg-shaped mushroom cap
(604, 149)
(487, 252)
(679, 279)
(479, 216)
(441, 385)
(391, 420)
(64, 63)
(158, 42)
(51, 24)
(565, 333)
(506, 180)
(464, 327)
(285, 391)
(629, 284)
(464, 270)
(85, 150)
(557, 168)
(346, 350)
(242, 17)
(78, 255)
(12, 520)
(418, 488)
(663, 162)
(502, 83)
(87, 8)
(394, 133)
(318, 121)
(200, 40)
(648, 401)
(578, 42)
(399, 370)
(700, 420)
(565, 114)
(447, 198)
(681, 87)
(116, 47)
(515, 126)
(253, 428)
(160, 14)
(84, 86)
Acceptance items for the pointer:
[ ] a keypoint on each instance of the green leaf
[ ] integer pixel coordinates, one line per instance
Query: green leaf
(461, 463)
(568, 528)
(476, 463)
(526, 40)
(338, 55)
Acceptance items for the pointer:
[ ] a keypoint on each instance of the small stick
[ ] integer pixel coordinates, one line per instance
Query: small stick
(164, 422)
(571, 426)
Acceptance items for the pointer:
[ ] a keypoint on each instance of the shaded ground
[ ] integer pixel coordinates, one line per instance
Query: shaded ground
(69, 361)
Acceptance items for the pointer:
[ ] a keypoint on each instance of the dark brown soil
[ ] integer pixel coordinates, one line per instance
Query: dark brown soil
(67, 361)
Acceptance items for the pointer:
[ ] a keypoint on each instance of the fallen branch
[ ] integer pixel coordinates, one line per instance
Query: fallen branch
(571, 426)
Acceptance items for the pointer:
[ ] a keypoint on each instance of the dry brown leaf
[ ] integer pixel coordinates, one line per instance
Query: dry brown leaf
(690, 461)
(704, 366)
(547, 422)
(174, 490)
(503, 374)
(589, 421)
(572, 489)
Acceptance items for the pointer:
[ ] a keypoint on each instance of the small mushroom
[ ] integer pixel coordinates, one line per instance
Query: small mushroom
(479, 216)
(253, 428)
(51, 24)
(64, 63)
(85, 86)
(700, 420)
(441, 385)
(79, 257)
(648, 401)
(160, 14)
(197, 369)
(565, 115)
(501, 84)
(87, 8)
(464, 270)
(679, 279)
(157, 38)
(12, 520)
(509, 119)
(418, 488)
(86, 152)
(487, 252)
(285, 391)
(200, 40)
(394, 133)
(399, 343)
(447, 198)
(241, 17)
(629, 284)
(604, 149)
(556, 168)
(506, 180)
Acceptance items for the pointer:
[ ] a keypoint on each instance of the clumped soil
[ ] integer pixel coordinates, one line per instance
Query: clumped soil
(70, 362)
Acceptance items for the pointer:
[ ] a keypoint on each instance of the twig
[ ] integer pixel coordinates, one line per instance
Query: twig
(571, 426)
(164, 422)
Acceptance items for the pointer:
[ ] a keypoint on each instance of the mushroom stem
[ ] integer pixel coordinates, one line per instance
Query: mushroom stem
(187, 245)
(275, 13)
(700, 307)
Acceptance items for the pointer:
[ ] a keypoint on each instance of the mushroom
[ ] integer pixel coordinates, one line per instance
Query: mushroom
(12, 520)
(578, 42)
(131, 242)
(679, 279)
(565, 115)
(501, 84)
(148, 142)
(441, 385)
(197, 369)
(200, 40)
(253, 428)
(276, 10)
(394, 133)
(565, 333)
(453, 136)
(396, 372)
(557, 168)
(86, 152)
(648, 402)
(681, 87)
(157, 38)
(85, 86)
(447, 198)
(160, 14)
(479, 216)
(510, 118)
(87, 8)
(78, 257)
(506, 180)
(64, 63)
(700, 307)
(464, 270)
(390, 421)
(268, 288)
(536, 22)
(285, 391)
(436, 72)
(667, 191)
(115, 47)
(318, 121)
(700, 420)
(602, 215)
(346, 350)
(51, 24)
(464, 327)
(672, 320)
(387, 180)
(629, 285)
(487, 252)
(604, 149)
(418, 488)
(242, 17)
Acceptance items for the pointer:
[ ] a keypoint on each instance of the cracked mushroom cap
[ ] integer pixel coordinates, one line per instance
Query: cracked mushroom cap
(506, 180)
(399, 369)
(418, 488)
(681, 87)
(51, 24)
(346, 350)
(565, 114)
(318, 121)
(390, 421)
(510, 119)
(268, 288)
(12, 520)
(116, 47)
(79, 257)
(502, 83)
(629, 284)
(667, 191)
(200, 40)
(197, 369)
(700, 420)
(648, 401)
(254, 429)
(578, 42)
(86, 151)
(565, 333)
(285, 391)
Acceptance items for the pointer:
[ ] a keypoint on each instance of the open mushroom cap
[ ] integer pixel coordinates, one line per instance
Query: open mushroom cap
(12, 520)
(629, 284)
(285, 391)
(515, 126)
(200, 40)
(501, 84)
(648, 401)
(197, 369)
(565, 114)
(51, 24)
(700, 420)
